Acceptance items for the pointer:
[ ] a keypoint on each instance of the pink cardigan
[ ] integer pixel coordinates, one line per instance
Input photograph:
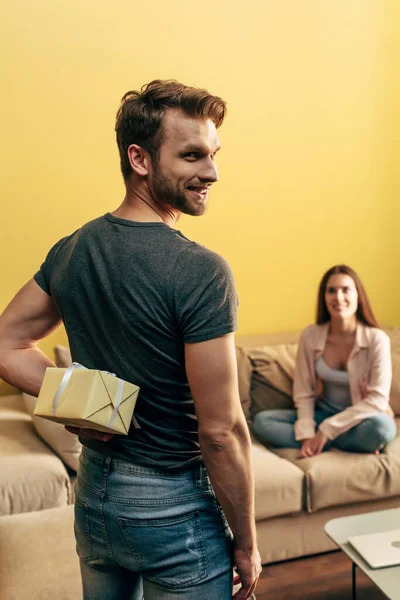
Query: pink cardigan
(370, 359)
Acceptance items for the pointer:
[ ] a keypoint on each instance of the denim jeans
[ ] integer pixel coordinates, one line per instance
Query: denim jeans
(276, 427)
(146, 533)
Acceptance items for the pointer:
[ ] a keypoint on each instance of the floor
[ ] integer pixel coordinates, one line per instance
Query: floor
(322, 577)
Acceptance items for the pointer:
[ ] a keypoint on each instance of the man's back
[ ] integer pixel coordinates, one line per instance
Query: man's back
(140, 300)
(130, 295)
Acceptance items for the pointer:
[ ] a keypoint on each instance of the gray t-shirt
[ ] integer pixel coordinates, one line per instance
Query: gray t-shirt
(130, 296)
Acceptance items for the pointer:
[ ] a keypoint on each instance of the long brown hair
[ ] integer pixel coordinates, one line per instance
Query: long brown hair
(139, 118)
(364, 312)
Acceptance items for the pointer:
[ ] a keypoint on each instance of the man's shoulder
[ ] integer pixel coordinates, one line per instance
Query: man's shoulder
(199, 268)
(201, 255)
(93, 224)
(97, 227)
(85, 228)
(69, 241)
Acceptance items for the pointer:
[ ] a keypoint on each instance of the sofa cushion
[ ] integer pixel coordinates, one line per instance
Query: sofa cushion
(272, 371)
(394, 335)
(64, 443)
(32, 477)
(6, 389)
(37, 556)
(245, 369)
(395, 389)
(12, 408)
(336, 478)
(278, 484)
(266, 397)
(275, 364)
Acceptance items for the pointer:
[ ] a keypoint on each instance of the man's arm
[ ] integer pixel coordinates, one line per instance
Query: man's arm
(29, 317)
(225, 445)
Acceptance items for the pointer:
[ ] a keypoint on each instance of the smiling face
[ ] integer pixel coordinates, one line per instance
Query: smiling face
(341, 296)
(185, 169)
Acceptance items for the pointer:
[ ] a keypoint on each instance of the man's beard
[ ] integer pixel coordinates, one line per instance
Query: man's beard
(165, 193)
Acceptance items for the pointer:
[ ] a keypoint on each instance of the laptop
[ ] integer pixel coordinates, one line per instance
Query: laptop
(380, 549)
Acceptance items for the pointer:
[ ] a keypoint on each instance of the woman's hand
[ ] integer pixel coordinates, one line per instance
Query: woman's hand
(313, 446)
(305, 449)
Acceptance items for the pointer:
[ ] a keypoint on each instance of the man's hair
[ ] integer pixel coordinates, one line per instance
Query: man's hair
(139, 118)
(364, 311)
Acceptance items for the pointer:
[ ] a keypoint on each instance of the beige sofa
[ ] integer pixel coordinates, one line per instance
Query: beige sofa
(32, 477)
(37, 549)
(294, 498)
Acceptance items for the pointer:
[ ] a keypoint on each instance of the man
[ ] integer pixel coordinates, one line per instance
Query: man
(139, 299)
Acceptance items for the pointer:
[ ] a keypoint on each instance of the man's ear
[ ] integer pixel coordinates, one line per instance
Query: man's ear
(139, 159)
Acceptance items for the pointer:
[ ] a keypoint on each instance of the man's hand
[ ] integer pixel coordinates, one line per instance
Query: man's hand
(225, 444)
(313, 446)
(90, 433)
(248, 566)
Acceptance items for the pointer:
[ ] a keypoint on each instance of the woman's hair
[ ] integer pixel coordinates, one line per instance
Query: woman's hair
(139, 118)
(364, 312)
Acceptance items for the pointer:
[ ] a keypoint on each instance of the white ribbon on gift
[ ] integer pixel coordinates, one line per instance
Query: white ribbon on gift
(63, 385)
(118, 397)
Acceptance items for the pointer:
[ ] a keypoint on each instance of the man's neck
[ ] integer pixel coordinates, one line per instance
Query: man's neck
(139, 205)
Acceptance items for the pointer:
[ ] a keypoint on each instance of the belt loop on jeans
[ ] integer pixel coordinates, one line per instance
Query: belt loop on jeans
(106, 465)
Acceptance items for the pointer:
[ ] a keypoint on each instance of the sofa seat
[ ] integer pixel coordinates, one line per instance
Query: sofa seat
(37, 556)
(12, 408)
(32, 477)
(278, 484)
(336, 478)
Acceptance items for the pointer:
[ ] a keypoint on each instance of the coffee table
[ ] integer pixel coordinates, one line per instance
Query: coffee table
(339, 530)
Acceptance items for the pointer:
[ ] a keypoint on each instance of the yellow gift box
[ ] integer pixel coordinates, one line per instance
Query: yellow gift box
(87, 398)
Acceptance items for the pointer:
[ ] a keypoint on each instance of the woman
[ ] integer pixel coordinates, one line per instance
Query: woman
(342, 378)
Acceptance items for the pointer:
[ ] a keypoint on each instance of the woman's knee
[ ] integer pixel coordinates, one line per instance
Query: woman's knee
(266, 419)
(385, 427)
(276, 428)
(378, 431)
(261, 423)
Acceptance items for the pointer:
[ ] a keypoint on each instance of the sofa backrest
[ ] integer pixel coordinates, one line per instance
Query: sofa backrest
(394, 334)
(266, 369)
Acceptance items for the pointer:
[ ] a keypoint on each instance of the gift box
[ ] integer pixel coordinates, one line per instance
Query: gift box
(87, 398)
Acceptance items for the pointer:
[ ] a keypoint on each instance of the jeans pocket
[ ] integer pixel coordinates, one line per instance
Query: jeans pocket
(82, 531)
(224, 525)
(225, 528)
(169, 551)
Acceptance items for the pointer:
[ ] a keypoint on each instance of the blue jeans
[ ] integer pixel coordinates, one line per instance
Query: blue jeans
(276, 427)
(146, 533)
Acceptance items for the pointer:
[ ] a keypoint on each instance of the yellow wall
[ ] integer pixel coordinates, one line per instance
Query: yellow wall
(391, 149)
(308, 177)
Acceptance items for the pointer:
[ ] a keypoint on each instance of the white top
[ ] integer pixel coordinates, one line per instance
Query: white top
(336, 394)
